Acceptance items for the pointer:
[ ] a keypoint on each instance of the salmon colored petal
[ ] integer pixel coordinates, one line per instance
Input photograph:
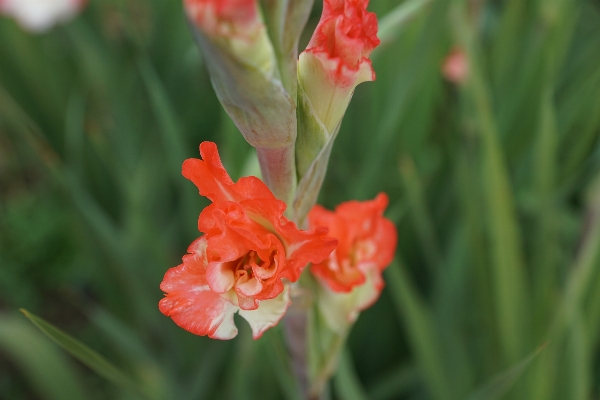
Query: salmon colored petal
(313, 247)
(339, 277)
(346, 32)
(209, 175)
(301, 247)
(387, 238)
(367, 243)
(251, 287)
(190, 302)
(363, 216)
(268, 313)
(337, 226)
(220, 277)
(214, 182)
(201, 312)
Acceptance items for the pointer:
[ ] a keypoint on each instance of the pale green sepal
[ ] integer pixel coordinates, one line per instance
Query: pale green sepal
(254, 98)
(328, 85)
(285, 21)
(341, 310)
(311, 180)
(312, 134)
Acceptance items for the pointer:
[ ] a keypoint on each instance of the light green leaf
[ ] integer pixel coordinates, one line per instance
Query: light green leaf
(393, 22)
(87, 356)
(499, 385)
(346, 382)
(51, 375)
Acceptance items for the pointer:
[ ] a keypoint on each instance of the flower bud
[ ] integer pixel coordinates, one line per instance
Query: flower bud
(336, 59)
(244, 72)
(334, 63)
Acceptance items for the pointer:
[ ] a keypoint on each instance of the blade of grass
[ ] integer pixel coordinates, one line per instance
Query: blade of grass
(172, 134)
(420, 213)
(279, 358)
(49, 373)
(580, 359)
(74, 132)
(546, 256)
(395, 383)
(87, 356)
(170, 127)
(396, 102)
(391, 24)
(345, 382)
(421, 333)
(508, 268)
(204, 379)
(500, 385)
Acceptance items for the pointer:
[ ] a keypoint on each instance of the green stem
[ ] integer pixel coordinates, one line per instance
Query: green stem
(278, 169)
(328, 366)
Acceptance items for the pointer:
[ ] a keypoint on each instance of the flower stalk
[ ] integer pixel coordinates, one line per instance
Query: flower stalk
(259, 236)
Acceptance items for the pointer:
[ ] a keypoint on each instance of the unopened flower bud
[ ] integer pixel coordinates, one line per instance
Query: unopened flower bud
(337, 58)
(334, 63)
(244, 71)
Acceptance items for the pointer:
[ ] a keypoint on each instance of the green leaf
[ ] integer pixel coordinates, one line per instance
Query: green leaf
(392, 23)
(51, 375)
(395, 383)
(507, 266)
(499, 385)
(278, 356)
(346, 382)
(421, 333)
(87, 356)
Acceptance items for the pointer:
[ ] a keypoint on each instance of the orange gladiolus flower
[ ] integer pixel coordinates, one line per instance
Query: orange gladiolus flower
(244, 261)
(351, 276)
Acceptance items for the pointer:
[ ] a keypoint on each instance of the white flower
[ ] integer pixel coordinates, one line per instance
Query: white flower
(40, 15)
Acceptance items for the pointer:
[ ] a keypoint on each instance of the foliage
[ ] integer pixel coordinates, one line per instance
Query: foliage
(494, 186)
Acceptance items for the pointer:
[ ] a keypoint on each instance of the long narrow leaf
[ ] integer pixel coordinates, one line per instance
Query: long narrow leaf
(51, 375)
(498, 386)
(87, 356)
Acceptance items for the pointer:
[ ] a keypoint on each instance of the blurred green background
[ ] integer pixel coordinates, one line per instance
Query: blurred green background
(494, 185)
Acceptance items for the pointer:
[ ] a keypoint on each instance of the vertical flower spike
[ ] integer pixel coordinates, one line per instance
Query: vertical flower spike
(334, 63)
(351, 278)
(244, 72)
(40, 15)
(244, 261)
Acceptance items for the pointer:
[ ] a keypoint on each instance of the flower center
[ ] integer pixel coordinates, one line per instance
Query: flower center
(243, 265)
